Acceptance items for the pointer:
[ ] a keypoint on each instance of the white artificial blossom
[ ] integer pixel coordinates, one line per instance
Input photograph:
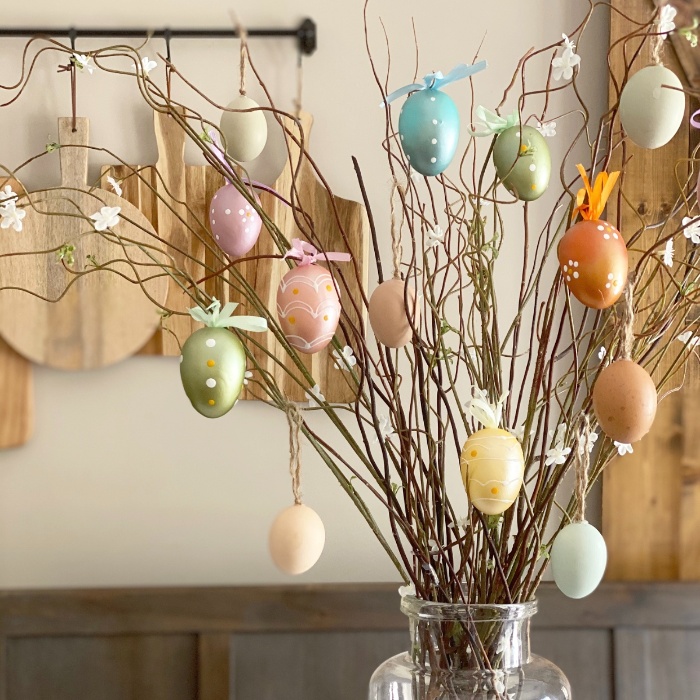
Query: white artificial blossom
(84, 62)
(666, 22)
(563, 65)
(345, 359)
(7, 193)
(557, 454)
(668, 253)
(115, 185)
(11, 216)
(314, 396)
(247, 376)
(602, 353)
(485, 412)
(107, 217)
(384, 428)
(623, 448)
(689, 339)
(591, 440)
(436, 237)
(148, 65)
(692, 229)
(547, 129)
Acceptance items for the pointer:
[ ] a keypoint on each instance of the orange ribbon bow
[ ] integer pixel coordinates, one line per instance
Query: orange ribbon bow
(597, 195)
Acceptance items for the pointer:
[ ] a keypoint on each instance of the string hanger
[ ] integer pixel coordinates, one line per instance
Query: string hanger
(582, 466)
(396, 247)
(295, 421)
(627, 334)
(167, 35)
(300, 83)
(244, 53)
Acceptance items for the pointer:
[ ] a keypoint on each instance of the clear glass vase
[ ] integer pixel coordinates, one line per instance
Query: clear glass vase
(479, 652)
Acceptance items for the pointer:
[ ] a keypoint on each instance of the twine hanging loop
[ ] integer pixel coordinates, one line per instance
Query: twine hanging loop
(295, 421)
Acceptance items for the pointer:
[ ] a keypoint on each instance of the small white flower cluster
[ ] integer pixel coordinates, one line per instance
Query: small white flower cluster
(107, 217)
(345, 359)
(436, 237)
(623, 448)
(559, 452)
(547, 129)
(666, 21)
(687, 338)
(692, 229)
(10, 214)
(563, 66)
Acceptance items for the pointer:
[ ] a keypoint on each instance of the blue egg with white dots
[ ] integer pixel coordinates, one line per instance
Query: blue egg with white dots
(429, 130)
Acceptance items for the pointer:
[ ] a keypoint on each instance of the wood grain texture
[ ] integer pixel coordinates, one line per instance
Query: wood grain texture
(214, 667)
(642, 513)
(345, 228)
(689, 512)
(103, 317)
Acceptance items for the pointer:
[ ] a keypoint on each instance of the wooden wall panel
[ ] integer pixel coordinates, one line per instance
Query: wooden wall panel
(146, 667)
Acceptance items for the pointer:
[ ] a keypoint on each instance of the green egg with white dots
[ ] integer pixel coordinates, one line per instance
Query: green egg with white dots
(523, 163)
(212, 369)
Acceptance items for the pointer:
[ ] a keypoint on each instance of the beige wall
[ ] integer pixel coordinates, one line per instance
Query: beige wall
(123, 483)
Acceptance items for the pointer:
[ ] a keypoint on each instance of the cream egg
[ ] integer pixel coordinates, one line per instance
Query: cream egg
(245, 133)
(296, 539)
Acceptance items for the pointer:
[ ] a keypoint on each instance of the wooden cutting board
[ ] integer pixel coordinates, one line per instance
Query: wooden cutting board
(16, 394)
(103, 318)
(197, 184)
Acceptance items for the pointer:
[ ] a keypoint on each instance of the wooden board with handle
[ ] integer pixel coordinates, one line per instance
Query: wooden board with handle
(196, 185)
(79, 321)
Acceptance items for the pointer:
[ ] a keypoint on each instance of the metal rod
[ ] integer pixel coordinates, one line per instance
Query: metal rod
(305, 33)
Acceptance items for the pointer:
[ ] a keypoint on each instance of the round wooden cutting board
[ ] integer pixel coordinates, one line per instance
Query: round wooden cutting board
(103, 318)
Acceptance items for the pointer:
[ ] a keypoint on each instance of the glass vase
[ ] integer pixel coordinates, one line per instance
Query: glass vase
(479, 652)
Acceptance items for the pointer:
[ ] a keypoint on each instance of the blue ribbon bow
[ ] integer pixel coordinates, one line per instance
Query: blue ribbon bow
(434, 81)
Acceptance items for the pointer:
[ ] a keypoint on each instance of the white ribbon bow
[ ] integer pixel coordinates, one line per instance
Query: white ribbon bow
(493, 123)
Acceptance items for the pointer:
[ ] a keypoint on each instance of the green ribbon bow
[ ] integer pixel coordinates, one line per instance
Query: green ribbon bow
(216, 317)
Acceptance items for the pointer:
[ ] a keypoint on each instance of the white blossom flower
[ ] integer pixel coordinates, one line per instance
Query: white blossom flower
(563, 66)
(115, 184)
(689, 339)
(547, 129)
(519, 432)
(483, 410)
(557, 454)
(559, 434)
(148, 65)
(248, 375)
(602, 353)
(11, 216)
(7, 193)
(668, 253)
(623, 448)
(410, 589)
(314, 396)
(692, 229)
(434, 548)
(345, 359)
(436, 236)
(589, 444)
(107, 217)
(384, 428)
(460, 524)
(84, 62)
(666, 19)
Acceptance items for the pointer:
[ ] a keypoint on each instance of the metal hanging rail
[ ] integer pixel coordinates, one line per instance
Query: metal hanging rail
(305, 33)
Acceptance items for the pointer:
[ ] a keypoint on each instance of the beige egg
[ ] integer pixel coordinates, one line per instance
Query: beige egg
(387, 313)
(296, 539)
(652, 106)
(245, 133)
(624, 401)
(492, 465)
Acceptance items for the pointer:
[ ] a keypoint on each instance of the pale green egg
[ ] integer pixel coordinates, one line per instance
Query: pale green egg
(212, 369)
(578, 559)
(523, 163)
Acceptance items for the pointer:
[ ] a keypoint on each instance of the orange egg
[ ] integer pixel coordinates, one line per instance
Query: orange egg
(593, 261)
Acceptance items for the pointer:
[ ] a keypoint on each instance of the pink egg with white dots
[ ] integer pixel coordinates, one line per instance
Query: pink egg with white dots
(234, 222)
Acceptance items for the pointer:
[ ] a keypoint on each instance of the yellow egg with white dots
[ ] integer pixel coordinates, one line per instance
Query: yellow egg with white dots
(492, 465)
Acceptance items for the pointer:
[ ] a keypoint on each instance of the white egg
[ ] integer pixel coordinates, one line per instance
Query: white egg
(578, 559)
(296, 540)
(649, 112)
(245, 132)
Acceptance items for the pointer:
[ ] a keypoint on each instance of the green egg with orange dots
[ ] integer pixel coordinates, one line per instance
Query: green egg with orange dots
(523, 162)
(212, 369)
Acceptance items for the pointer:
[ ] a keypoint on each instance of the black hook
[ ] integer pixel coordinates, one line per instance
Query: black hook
(72, 33)
(306, 36)
(167, 35)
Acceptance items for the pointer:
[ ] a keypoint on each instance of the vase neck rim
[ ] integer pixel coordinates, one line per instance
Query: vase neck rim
(478, 612)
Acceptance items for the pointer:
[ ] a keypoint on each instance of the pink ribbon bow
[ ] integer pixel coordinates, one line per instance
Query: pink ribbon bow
(694, 119)
(306, 254)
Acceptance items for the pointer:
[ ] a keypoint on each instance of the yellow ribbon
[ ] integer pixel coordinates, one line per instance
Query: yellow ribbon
(597, 195)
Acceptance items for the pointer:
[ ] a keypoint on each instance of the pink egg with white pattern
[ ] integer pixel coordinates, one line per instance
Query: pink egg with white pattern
(234, 222)
(308, 308)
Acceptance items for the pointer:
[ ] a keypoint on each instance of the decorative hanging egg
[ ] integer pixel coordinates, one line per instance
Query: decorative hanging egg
(429, 130)
(296, 539)
(234, 222)
(624, 401)
(523, 163)
(651, 113)
(492, 465)
(578, 559)
(308, 307)
(593, 261)
(387, 313)
(212, 369)
(245, 133)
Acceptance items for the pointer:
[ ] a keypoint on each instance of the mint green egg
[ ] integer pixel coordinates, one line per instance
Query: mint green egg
(523, 163)
(212, 369)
